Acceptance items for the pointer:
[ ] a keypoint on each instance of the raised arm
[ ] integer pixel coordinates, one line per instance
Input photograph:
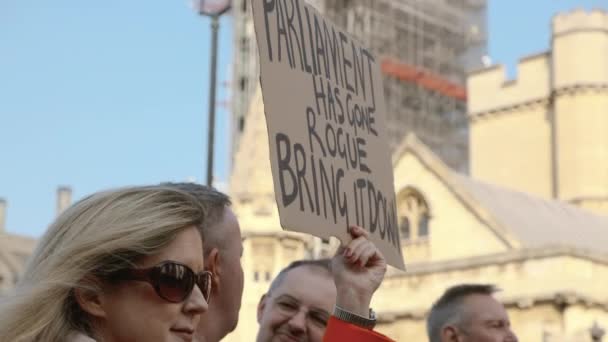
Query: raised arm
(358, 269)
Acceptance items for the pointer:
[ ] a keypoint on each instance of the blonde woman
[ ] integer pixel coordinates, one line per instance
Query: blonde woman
(121, 265)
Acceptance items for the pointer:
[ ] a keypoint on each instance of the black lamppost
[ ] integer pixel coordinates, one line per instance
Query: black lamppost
(213, 9)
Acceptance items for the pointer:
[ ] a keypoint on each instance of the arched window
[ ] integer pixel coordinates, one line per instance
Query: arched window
(423, 225)
(414, 215)
(404, 227)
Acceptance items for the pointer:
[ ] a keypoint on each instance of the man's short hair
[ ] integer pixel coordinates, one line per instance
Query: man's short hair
(214, 202)
(448, 308)
(323, 264)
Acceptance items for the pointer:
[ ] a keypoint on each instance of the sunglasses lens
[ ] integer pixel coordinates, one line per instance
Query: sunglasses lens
(174, 282)
(204, 283)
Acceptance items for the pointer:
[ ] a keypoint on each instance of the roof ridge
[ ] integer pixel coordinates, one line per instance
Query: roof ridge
(446, 175)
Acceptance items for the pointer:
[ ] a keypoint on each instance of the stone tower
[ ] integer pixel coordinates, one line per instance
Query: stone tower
(546, 132)
(580, 102)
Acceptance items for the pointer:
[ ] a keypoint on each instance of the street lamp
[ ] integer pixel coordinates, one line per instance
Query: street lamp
(213, 9)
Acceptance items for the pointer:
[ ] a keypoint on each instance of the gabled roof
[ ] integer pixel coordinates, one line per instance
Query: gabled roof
(538, 222)
(523, 220)
(411, 144)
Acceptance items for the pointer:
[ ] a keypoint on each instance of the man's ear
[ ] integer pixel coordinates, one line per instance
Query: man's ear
(262, 306)
(90, 298)
(449, 334)
(212, 264)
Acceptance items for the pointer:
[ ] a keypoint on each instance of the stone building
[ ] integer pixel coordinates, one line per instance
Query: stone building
(531, 218)
(16, 249)
(549, 126)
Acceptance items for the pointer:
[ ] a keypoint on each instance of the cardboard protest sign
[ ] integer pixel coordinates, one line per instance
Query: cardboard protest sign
(325, 112)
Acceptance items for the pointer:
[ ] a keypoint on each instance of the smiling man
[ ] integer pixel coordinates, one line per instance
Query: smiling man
(298, 304)
(469, 313)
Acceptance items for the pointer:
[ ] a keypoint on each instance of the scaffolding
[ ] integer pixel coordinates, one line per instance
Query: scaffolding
(425, 47)
(245, 66)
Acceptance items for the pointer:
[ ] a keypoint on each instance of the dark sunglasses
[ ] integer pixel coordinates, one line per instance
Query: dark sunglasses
(172, 280)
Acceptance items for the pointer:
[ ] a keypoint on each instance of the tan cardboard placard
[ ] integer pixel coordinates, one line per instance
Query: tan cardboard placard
(325, 112)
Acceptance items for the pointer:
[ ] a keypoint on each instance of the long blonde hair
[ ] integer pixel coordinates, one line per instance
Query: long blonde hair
(98, 235)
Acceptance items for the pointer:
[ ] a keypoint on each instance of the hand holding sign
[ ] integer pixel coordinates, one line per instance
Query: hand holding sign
(324, 106)
(358, 270)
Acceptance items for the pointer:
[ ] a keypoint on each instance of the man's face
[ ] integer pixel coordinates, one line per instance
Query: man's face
(297, 310)
(225, 301)
(232, 271)
(485, 320)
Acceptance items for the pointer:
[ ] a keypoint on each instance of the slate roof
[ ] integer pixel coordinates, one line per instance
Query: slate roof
(529, 220)
(538, 222)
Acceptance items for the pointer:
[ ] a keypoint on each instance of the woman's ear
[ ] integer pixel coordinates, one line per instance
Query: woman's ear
(90, 297)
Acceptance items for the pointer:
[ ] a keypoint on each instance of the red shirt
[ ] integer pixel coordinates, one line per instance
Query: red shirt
(338, 330)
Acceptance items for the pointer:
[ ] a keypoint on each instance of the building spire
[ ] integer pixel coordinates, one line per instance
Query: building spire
(251, 174)
(64, 198)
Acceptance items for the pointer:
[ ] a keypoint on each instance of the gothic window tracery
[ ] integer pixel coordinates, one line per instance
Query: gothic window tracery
(414, 215)
(264, 251)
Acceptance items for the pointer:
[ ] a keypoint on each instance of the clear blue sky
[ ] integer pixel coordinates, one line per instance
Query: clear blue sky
(98, 94)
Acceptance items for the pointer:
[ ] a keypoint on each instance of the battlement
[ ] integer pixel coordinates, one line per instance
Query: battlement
(489, 89)
(539, 75)
(580, 19)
